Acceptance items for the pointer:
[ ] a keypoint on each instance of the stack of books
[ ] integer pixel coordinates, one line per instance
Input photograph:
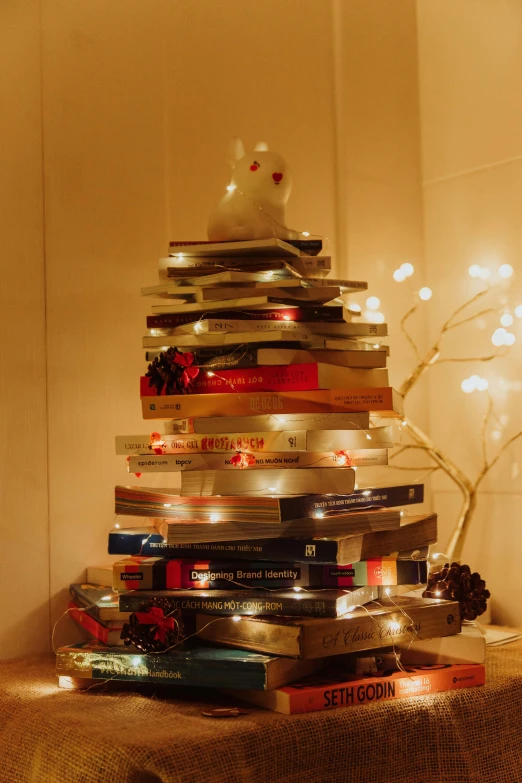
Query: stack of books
(262, 561)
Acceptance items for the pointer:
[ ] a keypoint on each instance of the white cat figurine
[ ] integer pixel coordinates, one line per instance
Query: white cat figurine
(254, 204)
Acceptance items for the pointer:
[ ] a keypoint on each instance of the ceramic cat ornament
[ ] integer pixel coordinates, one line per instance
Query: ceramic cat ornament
(254, 205)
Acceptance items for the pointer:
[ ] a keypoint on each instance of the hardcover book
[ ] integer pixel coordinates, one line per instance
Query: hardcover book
(468, 646)
(385, 401)
(159, 573)
(416, 534)
(277, 248)
(305, 422)
(294, 377)
(288, 603)
(196, 666)
(335, 688)
(388, 622)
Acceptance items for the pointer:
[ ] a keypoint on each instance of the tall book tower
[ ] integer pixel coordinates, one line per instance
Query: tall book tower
(265, 554)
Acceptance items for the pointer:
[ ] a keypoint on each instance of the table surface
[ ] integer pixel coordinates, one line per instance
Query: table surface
(52, 735)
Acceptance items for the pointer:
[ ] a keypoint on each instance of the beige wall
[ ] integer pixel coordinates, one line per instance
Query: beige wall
(24, 570)
(470, 66)
(138, 108)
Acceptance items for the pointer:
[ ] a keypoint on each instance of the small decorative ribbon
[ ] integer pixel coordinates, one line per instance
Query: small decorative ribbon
(156, 617)
(343, 458)
(189, 373)
(241, 460)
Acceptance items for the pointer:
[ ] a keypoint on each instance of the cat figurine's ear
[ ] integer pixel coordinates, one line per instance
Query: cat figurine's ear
(236, 151)
(261, 146)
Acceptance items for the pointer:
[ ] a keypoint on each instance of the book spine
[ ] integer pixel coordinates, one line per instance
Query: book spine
(149, 543)
(238, 602)
(216, 444)
(297, 377)
(311, 314)
(168, 463)
(389, 686)
(161, 669)
(309, 506)
(325, 401)
(98, 630)
(164, 574)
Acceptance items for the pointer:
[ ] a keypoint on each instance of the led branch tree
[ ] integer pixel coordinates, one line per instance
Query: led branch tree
(502, 339)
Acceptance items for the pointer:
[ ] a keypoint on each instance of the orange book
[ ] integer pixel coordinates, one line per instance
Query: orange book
(385, 401)
(325, 692)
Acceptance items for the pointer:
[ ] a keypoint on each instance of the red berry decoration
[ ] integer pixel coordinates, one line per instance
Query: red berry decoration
(455, 582)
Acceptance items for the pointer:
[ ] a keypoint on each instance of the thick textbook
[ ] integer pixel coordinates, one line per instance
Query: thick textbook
(149, 502)
(105, 634)
(196, 666)
(312, 314)
(161, 573)
(269, 423)
(286, 603)
(416, 534)
(294, 377)
(385, 401)
(336, 688)
(273, 481)
(381, 624)
(100, 602)
(169, 463)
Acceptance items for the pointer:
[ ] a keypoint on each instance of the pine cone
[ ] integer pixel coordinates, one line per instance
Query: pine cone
(457, 583)
(162, 630)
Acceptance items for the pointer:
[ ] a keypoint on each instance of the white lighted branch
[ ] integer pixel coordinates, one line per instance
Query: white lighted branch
(502, 339)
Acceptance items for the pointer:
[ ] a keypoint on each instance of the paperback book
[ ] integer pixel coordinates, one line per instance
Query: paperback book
(354, 423)
(109, 635)
(159, 573)
(196, 666)
(416, 534)
(100, 603)
(287, 603)
(335, 688)
(385, 401)
(277, 482)
(313, 314)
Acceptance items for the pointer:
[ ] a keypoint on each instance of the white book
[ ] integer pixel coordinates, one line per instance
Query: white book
(272, 246)
(468, 646)
(298, 293)
(233, 338)
(286, 440)
(314, 267)
(276, 483)
(207, 276)
(272, 423)
(361, 354)
(205, 290)
(303, 328)
(171, 463)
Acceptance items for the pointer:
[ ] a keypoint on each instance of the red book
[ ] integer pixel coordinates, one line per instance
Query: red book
(108, 636)
(328, 691)
(301, 314)
(275, 378)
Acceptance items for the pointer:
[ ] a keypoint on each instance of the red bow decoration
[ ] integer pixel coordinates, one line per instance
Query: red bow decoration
(156, 617)
(156, 443)
(241, 460)
(189, 373)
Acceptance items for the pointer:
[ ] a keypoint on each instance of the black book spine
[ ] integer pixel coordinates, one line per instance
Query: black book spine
(309, 506)
(234, 602)
(278, 550)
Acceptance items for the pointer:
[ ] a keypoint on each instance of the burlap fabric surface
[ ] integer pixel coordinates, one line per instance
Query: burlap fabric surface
(48, 735)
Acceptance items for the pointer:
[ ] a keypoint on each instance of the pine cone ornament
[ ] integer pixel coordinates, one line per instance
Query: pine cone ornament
(455, 582)
(172, 371)
(154, 628)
